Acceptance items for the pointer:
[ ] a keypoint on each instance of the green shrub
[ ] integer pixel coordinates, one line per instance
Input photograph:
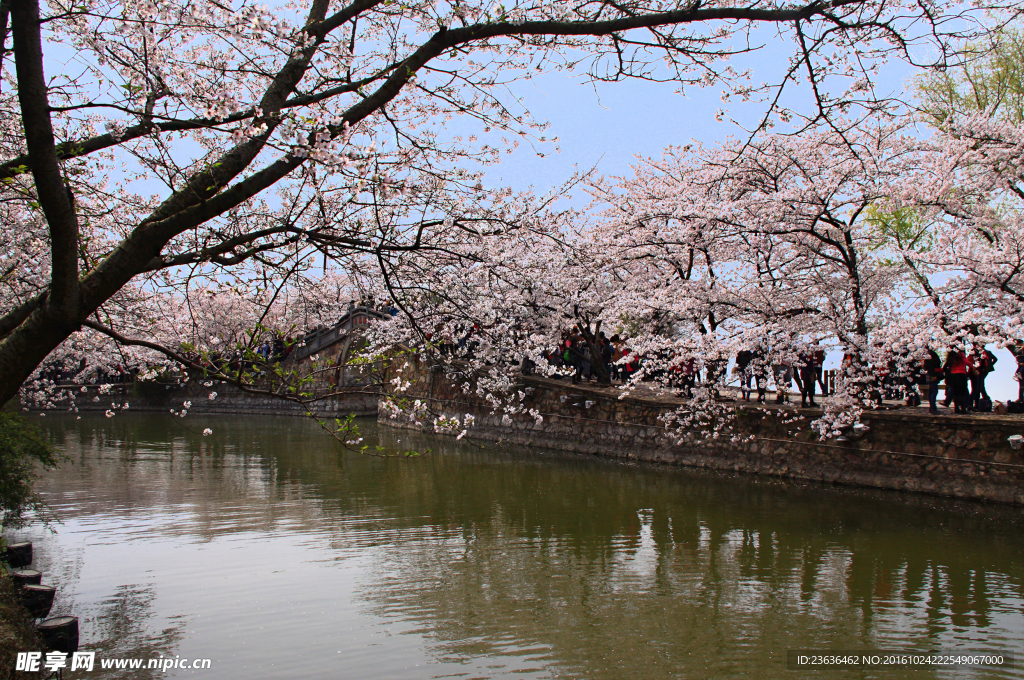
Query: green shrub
(24, 449)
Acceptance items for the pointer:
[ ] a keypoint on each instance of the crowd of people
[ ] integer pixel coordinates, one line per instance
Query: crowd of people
(598, 358)
(960, 374)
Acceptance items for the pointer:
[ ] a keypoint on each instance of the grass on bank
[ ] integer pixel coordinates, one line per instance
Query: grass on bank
(17, 629)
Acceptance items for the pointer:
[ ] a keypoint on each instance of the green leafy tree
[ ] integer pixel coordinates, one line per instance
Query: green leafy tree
(991, 79)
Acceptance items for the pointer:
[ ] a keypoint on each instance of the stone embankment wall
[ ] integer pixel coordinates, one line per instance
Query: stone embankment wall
(905, 449)
(153, 396)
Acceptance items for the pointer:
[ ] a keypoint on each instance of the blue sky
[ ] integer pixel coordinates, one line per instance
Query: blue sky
(611, 123)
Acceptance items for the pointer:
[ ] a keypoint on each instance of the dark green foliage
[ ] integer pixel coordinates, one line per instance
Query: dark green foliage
(23, 451)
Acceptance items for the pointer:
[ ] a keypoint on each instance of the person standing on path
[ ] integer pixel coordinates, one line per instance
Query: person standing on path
(1017, 350)
(808, 376)
(957, 366)
(987, 366)
(743, 359)
(932, 368)
(819, 363)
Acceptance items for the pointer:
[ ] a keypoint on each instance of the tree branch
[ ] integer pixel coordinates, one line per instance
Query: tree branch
(54, 196)
(5, 12)
(218, 375)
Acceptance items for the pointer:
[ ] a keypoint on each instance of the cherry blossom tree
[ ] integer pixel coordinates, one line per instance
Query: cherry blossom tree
(976, 179)
(185, 141)
(777, 228)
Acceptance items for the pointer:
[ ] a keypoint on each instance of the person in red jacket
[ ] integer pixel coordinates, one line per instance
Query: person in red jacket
(957, 366)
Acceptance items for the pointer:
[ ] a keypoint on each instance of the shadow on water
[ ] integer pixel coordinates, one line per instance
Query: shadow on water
(265, 547)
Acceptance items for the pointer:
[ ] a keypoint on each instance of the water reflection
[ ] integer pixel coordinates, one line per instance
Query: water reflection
(267, 550)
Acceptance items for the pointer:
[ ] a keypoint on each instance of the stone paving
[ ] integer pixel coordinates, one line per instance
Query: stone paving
(653, 393)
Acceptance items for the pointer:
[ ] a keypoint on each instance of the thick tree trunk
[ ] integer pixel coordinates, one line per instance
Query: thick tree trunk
(27, 347)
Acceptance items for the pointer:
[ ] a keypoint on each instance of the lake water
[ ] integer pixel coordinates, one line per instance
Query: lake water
(271, 551)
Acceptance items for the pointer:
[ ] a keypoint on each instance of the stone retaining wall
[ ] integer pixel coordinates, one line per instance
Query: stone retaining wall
(905, 449)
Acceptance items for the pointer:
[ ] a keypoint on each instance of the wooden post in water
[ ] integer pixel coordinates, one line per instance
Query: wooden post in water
(38, 599)
(59, 634)
(18, 554)
(26, 577)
